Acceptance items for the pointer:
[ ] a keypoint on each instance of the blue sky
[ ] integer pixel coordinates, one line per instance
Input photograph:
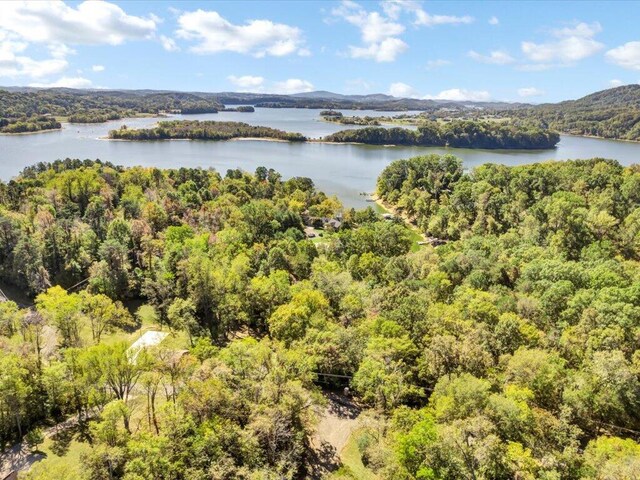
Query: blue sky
(514, 51)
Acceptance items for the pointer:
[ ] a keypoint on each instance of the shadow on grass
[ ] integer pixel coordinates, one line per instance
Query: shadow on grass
(61, 440)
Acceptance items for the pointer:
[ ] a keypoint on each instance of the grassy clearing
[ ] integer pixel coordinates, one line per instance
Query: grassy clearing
(414, 233)
(352, 466)
(61, 462)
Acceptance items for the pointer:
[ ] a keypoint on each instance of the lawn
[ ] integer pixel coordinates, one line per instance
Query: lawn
(414, 233)
(62, 460)
(352, 466)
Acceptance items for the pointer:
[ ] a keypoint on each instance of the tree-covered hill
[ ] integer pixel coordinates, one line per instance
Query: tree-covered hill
(612, 113)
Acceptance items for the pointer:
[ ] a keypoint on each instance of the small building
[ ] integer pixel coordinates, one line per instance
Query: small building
(148, 339)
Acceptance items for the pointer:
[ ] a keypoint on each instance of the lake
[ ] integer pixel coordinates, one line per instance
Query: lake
(344, 170)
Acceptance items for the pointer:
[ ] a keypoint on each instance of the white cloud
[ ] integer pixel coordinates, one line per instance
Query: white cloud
(393, 9)
(423, 18)
(374, 27)
(213, 34)
(98, 68)
(626, 56)
(14, 64)
(60, 50)
(615, 83)
(586, 30)
(68, 82)
(380, 31)
(247, 82)
(257, 84)
(433, 64)
(461, 95)
(569, 45)
(494, 21)
(496, 57)
(385, 51)
(56, 25)
(169, 44)
(402, 90)
(89, 23)
(292, 85)
(530, 92)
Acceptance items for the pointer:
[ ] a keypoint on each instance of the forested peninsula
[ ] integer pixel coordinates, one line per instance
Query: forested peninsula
(25, 111)
(455, 134)
(28, 124)
(514, 344)
(203, 130)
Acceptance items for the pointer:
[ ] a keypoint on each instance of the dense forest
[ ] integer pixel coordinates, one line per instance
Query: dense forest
(456, 134)
(203, 130)
(81, 106)
(508, 352)
(613, 113)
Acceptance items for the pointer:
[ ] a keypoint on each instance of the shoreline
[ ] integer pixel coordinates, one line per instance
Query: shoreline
(595, 137)
(255, 139)
(48, 130)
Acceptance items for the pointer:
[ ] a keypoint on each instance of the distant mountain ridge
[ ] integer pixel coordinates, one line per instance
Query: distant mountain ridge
(611, 113)
(315, 99)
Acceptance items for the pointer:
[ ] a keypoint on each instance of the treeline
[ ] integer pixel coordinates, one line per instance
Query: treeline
(456, 134)
(613, 113)
(203, 130)
(508, 352)
(28, 124)
(82, 106)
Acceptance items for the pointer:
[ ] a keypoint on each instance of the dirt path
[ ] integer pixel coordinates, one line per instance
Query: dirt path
(20, 457)
(16, 459)
(339, 420)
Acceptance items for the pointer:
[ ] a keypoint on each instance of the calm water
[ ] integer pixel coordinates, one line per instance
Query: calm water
(344, 170)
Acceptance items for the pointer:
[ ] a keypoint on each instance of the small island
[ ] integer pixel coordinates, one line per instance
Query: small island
(203, 130)
(455, 134)
(337, 117)
(240, 109)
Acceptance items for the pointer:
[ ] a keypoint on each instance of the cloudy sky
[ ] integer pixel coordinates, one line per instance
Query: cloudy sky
(536, 52)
